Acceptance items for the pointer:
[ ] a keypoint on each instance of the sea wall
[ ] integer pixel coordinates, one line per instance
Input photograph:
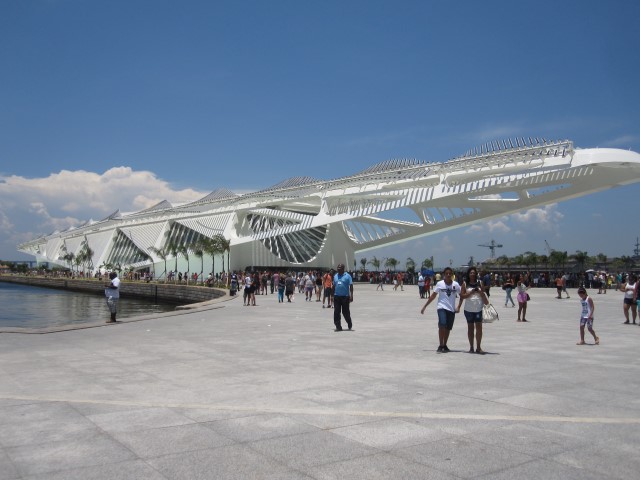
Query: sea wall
(178, 294)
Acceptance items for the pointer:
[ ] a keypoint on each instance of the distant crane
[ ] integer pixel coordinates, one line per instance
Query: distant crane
(492, 246)
(549, 249)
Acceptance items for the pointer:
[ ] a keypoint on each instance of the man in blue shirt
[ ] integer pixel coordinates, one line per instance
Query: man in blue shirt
(342, 297)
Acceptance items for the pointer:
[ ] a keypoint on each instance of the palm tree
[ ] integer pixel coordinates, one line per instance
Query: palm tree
(518, 260)
(391, 263)
(162, 254)
(363, 262)
(626, 261)
(173, 249)
(184, 251)
(428, 263)
(78, 261)
(581, 258)
(225, 246)
(211, 246)
(198, 251)
(502, 260)
(375, 263)
(564, 257)
(543, 260)
(531, 258)
(86, 255)
(602, 260)
(555, 258)
(410, 265)
(69, 257)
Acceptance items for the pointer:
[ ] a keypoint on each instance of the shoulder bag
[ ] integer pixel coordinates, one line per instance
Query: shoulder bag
(489, 314)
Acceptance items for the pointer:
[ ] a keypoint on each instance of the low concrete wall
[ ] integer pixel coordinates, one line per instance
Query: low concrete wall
(178, 294)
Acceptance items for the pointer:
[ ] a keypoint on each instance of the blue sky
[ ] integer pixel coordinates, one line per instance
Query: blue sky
(119, 104)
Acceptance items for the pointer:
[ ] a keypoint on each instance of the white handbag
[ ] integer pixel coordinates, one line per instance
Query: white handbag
(489, 314)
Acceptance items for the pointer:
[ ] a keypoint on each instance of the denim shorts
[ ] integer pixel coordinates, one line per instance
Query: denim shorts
(446, 318)
(473, 317)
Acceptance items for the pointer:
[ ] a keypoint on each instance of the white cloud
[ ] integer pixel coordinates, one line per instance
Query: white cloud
(69, 198)
(490, 226)
(624, 141)
(546, 218)
(445, 246)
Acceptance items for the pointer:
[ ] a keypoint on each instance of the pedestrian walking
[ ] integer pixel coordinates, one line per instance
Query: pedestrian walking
(446, 290)
(586, 316)
(342, 298)
(475, 298)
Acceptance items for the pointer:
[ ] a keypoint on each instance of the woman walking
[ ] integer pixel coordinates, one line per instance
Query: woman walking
(523, 298)
(472, 292)
(508, 288)
(629, 289)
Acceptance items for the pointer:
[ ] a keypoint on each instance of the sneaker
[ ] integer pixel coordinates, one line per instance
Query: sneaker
(440, 348)
(445, 349)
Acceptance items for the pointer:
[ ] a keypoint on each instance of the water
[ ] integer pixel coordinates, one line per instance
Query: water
(36, 307)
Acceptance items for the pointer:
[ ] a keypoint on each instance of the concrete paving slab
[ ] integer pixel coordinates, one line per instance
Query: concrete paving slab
(381, 466)
(463, 457)
(273, 392)
(169, 440)
(311, 449)
(231, 462)
(260, 427)
(8, 471)
(128, 470)
(55, 456)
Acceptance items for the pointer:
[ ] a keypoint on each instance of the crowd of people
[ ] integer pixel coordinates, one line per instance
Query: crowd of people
(334, 290)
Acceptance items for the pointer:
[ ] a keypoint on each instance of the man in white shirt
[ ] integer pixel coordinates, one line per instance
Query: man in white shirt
(447, 290)
(112, 292)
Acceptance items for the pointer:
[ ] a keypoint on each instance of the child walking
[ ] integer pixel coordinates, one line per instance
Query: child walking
(586, 317)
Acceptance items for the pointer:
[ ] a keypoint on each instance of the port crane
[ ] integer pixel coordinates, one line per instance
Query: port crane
(492, 246)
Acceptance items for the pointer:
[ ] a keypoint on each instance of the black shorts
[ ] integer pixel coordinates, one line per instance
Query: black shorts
(327, 292)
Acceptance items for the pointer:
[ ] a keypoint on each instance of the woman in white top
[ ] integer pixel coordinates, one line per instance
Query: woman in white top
(475, 298)
(629, 289)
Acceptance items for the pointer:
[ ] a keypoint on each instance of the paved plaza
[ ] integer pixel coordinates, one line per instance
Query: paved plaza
(272, 392)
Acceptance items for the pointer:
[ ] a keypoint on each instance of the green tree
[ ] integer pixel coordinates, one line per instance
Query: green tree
(531, 258)
(184, 251)
(410, 265)
(198, 251)
(375, 263)
(211, 246)
(225, 246)
(556, 258)
(518, 260)
(543, 260)
(602, 260)
(503, 260)
(627, 262)
(162, 254)
(581, 259)
(363, 262)
(391, 263)
(428, 263)
(173, 249)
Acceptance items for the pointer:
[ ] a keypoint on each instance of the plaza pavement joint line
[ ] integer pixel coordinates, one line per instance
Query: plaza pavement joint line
(356, 413)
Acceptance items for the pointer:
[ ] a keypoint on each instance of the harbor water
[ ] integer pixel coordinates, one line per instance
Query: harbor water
(35, 307)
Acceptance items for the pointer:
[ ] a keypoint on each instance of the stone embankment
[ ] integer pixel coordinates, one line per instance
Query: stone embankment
(164, 292)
